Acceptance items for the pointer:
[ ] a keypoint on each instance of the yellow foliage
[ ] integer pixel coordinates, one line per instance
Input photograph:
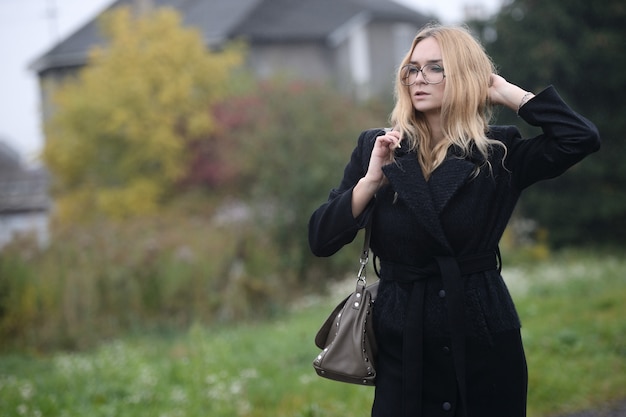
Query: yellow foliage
(140, 196)
(117, 142)
(74, 205)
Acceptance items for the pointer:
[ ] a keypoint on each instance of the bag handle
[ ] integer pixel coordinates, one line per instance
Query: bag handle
(361, 275)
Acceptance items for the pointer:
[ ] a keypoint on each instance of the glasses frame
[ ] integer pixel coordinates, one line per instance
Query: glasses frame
(408, 67)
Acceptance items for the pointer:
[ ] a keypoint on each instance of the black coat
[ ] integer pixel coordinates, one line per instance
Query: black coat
(453, 215)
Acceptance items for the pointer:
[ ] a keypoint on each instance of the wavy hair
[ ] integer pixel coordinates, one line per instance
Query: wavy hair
(465, 111)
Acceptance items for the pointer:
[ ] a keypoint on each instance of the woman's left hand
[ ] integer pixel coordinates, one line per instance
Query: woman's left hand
(504, 93)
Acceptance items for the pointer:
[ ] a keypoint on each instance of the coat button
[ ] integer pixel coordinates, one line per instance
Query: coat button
(446, 350)
(446, 406)
(442, 293)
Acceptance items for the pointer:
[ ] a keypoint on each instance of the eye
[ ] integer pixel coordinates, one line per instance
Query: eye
(434, 68)
(410, 70)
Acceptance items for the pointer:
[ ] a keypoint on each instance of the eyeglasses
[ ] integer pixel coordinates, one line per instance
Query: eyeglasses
(432, 73)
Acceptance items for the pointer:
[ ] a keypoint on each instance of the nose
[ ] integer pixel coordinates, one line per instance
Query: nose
(421, 72)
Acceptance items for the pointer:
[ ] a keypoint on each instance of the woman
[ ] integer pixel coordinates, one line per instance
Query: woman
(439, 190)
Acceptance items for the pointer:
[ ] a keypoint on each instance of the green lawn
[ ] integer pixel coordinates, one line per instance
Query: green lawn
(572, 308)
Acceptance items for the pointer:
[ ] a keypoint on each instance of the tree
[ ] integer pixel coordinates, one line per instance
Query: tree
(577, 46)
(293, 140)
(118, 141)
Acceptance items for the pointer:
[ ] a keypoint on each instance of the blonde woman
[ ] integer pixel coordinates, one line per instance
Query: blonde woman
(439, 190)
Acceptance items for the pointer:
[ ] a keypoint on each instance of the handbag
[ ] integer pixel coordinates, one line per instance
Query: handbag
(347, 336)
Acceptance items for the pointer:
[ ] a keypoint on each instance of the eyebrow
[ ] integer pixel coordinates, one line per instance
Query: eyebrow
(432, 61)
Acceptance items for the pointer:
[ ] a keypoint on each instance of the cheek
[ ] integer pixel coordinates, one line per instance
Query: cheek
(441, 90)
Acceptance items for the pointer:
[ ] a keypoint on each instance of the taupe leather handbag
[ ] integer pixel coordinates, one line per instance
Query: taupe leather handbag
(347, 336)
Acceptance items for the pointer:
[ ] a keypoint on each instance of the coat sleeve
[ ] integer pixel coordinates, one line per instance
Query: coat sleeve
(566, 139)
(332, 225)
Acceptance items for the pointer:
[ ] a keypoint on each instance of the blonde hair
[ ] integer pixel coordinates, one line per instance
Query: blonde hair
(465, 110)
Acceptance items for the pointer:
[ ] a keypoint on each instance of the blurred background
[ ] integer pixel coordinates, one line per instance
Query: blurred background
(159, 161)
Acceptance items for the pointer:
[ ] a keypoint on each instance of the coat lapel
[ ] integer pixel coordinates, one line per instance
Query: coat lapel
(447, 179)
(428, 199)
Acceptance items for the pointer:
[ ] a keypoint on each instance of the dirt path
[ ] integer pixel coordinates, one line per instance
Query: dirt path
(608, 410)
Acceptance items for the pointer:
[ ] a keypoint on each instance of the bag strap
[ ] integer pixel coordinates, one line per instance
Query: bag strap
(365, 252)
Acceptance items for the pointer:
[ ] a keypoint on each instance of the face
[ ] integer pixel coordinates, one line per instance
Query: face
(426, 98)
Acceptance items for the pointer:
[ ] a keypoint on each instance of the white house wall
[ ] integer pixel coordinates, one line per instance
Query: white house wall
(360, 63)
(32, 224)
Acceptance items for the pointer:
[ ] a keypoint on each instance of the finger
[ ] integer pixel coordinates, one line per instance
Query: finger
(390, 142)
(394, 135)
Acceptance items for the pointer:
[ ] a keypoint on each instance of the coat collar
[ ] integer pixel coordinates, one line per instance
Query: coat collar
(427, 199)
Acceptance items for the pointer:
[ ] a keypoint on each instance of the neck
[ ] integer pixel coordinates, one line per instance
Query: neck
(435, 130)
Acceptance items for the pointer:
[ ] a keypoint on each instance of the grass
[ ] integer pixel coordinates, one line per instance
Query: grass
(247, 370)
(574, 330)
(575, 333)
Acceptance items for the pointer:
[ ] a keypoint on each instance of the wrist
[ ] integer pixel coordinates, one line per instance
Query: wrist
(370, 185)
(362, 193)
(525, 98)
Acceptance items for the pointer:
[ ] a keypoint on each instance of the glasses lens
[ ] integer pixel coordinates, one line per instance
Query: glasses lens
(409, 74)
(433, 74)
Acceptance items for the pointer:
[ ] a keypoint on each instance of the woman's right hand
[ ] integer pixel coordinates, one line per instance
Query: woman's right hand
(382, 154)
(374, 179)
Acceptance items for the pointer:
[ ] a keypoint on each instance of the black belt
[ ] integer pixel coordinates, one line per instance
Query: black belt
(451, 270)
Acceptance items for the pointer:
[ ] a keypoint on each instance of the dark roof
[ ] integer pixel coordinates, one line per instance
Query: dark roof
(216, 18)
(296, 20)
(9, 159)
(73, 50)
(254, 20)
